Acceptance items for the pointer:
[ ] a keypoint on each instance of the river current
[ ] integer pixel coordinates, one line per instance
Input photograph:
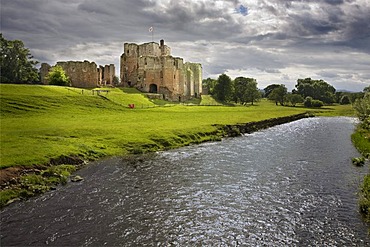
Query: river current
(290, 185)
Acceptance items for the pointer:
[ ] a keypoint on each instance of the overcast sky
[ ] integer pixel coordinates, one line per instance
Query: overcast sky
(276, 41)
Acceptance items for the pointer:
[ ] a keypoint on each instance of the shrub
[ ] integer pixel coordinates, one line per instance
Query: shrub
(317, 103)
(57, 76)
(308, 102)
(364, 203)
(345, 100)
(358, 161)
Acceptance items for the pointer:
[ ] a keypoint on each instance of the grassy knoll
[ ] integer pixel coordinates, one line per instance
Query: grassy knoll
(40, 124)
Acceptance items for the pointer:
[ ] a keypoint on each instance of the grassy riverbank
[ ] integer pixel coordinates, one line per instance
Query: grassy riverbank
(361, 140)
(43, 125)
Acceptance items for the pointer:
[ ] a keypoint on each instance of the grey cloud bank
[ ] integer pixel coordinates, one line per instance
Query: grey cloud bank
(273, 41)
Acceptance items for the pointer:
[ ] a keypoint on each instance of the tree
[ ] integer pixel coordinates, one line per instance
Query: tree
(252, 92)
(223, 88)
(278, 94)
(58, 77)
(367, 89)
(293, 99)
(362, 107)
(269, 89)
(245, 90)
(209, 84)
(16, 62)
(317, 89)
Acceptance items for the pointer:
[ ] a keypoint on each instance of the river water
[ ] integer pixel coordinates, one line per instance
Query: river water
(290, 185)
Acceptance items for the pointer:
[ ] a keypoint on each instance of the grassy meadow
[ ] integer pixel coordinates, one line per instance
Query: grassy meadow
(42, 123)
(39, 123)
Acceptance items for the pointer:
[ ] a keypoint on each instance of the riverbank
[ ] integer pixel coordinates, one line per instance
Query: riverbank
(22, 182)
(361, 140)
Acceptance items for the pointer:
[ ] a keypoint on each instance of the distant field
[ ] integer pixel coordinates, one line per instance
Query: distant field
(43, 122)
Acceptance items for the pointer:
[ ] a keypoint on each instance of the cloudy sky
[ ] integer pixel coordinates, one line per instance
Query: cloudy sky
(274, 41)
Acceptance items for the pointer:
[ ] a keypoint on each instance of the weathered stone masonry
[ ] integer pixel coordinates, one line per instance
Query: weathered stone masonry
(150, 68)
(82, 74)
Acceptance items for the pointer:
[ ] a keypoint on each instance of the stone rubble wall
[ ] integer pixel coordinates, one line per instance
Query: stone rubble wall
(82, 74)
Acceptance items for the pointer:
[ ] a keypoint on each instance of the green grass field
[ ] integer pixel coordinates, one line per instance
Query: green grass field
(39, 123)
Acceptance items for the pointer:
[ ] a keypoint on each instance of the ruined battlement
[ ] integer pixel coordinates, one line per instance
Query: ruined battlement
(151, 68)
(82, 74)
(150, 49)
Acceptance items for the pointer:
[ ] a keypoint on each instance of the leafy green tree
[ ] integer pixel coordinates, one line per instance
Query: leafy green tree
(209, 84)
(278, 94)
(317, 89)
(16, 62)
(293, 99)
(58, 77)
(362, 107)
(223, 88)
(367, 89)
(270, 88)
(245, 90)
(253, 94)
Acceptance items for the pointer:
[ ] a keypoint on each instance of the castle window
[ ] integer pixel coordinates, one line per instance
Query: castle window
(174, 76)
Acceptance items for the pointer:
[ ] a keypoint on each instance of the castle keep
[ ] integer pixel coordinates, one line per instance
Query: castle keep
(150, 68)
(82, 74)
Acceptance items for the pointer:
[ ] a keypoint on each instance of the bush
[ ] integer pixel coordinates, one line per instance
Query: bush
(317, 103)
(358, 161)
(308, 102)
(57, 76)
(345, 100)
(364, 203)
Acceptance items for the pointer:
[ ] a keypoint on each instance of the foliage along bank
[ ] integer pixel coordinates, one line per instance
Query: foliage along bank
(361, 140)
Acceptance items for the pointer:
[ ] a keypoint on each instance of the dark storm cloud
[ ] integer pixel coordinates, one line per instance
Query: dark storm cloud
(274, 41)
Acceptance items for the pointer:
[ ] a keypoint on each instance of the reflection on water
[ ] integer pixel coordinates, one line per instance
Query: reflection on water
(291, 185)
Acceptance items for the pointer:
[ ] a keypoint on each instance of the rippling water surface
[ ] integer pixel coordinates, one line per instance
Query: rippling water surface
(291, 185)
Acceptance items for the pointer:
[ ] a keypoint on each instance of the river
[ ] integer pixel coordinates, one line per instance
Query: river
(290, 185)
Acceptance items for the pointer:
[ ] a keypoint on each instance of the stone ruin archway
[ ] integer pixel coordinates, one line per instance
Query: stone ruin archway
(153, 88)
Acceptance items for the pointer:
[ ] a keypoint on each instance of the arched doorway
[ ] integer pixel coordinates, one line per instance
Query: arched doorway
(153, 88)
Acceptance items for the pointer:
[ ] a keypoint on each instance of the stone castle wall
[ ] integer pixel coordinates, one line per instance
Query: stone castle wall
(82, 74)
(151, 68)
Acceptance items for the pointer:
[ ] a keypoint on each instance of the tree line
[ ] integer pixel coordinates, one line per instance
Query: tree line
(312, 93)
(18, 66)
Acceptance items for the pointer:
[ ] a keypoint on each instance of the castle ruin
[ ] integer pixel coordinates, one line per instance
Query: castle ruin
(150, 68)
(82, 74)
